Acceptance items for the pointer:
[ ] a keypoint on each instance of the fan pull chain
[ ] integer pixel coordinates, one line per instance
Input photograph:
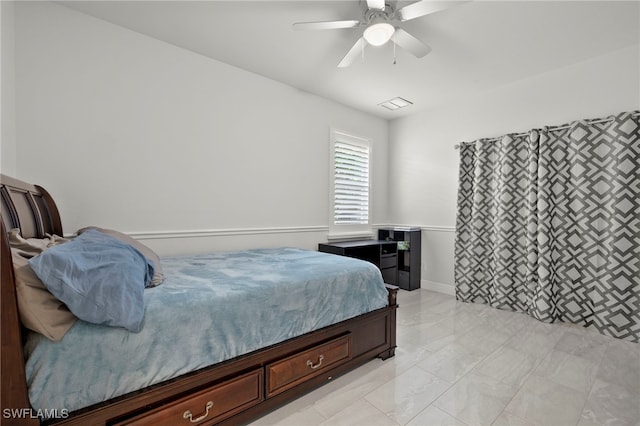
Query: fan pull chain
(362, 50)
(394, 48)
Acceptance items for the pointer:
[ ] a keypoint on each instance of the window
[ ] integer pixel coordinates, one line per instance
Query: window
(350, 184)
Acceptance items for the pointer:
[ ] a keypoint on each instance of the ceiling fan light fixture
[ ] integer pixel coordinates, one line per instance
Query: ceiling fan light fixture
(379, 33)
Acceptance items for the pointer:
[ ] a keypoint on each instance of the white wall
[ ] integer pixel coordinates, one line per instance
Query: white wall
(423, 168)
(135, 134)
(191, 154)
(7, 90)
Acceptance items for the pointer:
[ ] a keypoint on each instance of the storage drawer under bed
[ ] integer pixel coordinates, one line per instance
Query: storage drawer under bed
(209, 405)
(223, 400)
(295, 369)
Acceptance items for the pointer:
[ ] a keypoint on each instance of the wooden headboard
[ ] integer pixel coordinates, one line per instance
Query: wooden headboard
(28, 207)
(31, 209)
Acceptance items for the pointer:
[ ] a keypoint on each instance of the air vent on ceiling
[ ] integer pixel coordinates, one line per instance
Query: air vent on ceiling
(395, 103)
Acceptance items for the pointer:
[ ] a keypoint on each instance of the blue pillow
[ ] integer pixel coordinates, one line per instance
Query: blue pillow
(99, 278)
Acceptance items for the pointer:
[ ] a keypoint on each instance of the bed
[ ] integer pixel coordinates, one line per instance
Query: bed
(285, 331)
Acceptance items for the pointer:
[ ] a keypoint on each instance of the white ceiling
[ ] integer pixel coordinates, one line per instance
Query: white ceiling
(477, 45)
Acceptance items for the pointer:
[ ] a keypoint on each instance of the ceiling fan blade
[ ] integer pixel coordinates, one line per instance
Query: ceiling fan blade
(425, 7)
(410, 43)
(375, 4)
(353, 53)
(327, 25)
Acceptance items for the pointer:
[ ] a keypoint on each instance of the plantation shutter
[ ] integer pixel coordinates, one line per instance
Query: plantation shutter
(351, 183)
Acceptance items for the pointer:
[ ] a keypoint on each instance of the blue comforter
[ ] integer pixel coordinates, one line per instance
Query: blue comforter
(209, 309)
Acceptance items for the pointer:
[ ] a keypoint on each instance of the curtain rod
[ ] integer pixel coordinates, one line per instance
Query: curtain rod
(554, 129)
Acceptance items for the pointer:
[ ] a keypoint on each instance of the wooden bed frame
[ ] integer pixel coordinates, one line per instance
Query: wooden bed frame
(231, 392)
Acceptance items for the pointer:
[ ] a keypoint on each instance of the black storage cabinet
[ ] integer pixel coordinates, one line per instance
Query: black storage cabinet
(409, 256)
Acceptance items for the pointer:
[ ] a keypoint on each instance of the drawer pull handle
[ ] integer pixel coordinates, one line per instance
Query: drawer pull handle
(314, 366)
(187, 414)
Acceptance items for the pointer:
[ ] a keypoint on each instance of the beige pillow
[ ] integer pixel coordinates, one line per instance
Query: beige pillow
(158, 275)
(40, 310)
(33, 246)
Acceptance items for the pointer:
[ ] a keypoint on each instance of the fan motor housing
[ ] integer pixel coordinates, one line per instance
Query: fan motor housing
(386, 14)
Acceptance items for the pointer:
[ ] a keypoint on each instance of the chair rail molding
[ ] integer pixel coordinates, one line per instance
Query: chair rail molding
(436, 228)
(153, 235)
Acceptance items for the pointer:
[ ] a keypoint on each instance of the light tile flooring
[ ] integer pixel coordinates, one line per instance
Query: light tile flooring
(469, 364)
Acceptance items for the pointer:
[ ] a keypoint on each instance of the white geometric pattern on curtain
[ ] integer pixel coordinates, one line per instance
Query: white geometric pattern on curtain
(548, 223)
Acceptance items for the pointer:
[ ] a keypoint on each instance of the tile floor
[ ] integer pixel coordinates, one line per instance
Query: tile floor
(468, 364)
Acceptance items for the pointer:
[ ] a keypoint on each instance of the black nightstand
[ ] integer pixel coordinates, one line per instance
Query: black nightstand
(409, 257)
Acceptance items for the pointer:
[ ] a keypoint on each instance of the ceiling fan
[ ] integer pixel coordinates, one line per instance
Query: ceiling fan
(380, 20)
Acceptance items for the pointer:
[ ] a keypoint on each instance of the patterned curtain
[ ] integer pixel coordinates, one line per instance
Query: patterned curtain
(548, 223)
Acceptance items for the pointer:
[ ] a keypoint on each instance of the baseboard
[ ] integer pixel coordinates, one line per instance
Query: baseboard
(439, 287)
